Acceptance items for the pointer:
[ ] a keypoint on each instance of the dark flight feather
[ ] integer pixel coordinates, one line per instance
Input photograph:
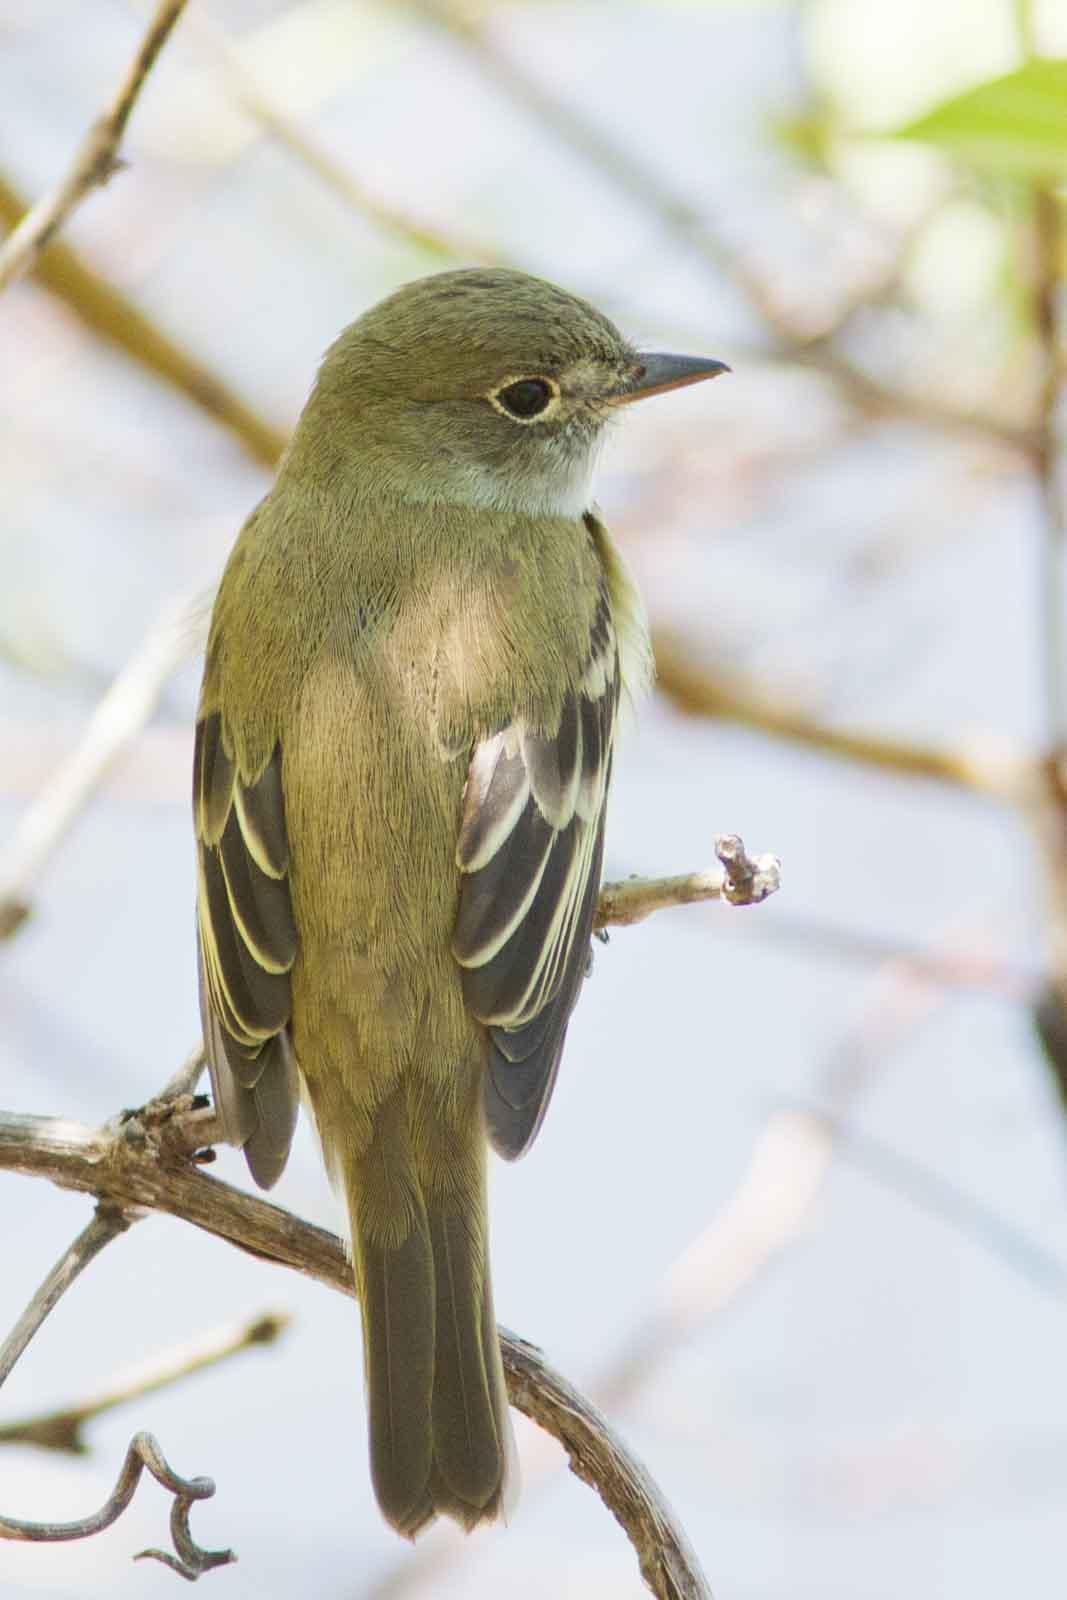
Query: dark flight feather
(277, 1100)
(497, 897)
(523, 1062)
(247, 947)
(262, 813)
(260, 904)
(213, 774)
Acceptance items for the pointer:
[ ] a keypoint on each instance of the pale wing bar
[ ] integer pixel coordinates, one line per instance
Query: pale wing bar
(530, 848)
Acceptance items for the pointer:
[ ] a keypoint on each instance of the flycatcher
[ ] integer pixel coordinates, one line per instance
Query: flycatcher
(403, 751)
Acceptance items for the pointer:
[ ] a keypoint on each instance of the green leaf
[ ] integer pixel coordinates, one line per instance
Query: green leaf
(1015, 125)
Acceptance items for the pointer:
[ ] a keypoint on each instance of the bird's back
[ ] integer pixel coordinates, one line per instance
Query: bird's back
(374, 720)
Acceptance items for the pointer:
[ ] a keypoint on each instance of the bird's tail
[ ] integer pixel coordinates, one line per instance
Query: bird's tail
(440, 1436)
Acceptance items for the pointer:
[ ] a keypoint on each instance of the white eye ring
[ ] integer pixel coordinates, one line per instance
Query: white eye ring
(540, 386)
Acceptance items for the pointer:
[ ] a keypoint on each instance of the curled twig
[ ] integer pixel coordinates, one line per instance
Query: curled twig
(190, 1561)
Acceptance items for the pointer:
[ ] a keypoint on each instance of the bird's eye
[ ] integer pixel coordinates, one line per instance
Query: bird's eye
(525, 398)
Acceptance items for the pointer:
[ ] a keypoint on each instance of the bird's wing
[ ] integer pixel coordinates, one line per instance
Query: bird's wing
(530, 847)
(247, 940)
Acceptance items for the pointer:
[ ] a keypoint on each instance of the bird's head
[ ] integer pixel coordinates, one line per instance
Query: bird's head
(483, 387)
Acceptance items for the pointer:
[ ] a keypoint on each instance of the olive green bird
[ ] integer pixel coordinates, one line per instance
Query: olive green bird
(403, 753)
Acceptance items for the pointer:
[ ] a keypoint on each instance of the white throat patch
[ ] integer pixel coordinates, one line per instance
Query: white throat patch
(563, 489)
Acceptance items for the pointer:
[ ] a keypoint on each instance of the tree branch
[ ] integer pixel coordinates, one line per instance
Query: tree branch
(597, 1456)
(699, 690)
(188, 1075)
(96, 160)
(138, 1163)
(190, 1561)
(623, 167)
(873, 398)
(762, 1218)
(113, 317)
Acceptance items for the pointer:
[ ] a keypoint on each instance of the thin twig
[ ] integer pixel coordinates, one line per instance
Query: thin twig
(696, 688)
(979, 969)
(785, 1174)
(744, 881)
(118, 718)
(873, 398)
(768, 1209)
(623, 167)
(63, 1429)
(190, 1560)
(134, 1165)
(246, 90)
(96, 160)
(113, 317)
(936, 1196)
(109, 1221)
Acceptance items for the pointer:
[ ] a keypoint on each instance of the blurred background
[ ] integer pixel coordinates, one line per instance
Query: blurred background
(817, 1271)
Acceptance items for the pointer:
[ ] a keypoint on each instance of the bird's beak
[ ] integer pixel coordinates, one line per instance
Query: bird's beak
(658, 373)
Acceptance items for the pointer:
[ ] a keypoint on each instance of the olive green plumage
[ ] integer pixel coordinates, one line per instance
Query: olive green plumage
(402, 760)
